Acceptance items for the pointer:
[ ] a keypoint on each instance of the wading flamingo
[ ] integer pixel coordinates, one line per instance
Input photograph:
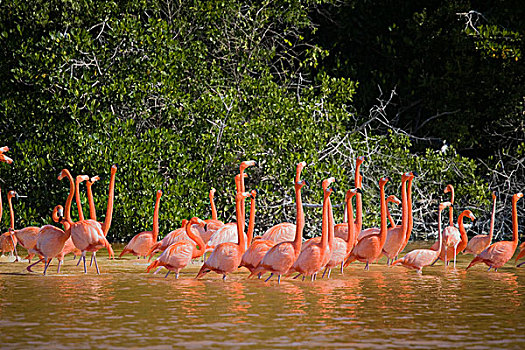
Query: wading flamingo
(8, 240)
(497, 254)
(451, 235)
(86, 234)
(419, 258)
(341, 230)
(409, 209)
(314, 257)
(27, 236)
(453, 251)
(395, 236)
(479, 243)
(141, 243)
(226, 257)
(370, 247)
(51, 240)
(172, 237)
(178, 255)
(280, 258)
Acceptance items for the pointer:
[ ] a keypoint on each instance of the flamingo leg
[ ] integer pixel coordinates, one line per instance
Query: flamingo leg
(259, 275)
(47, 265)
(14, 248)
(91, 262)
(342, 265)
(266, 280)
(30, 266)
(167, 274)
(324, 272)
(279, 279)
(224, 277)
(84, 259)
(366, 266)
(455, 256)
(329, 271)
(297, 276)
(79, 260)
(59, 264)
(93, 257)
(520, 264)
(489, 268)
(177, 276)
(157, 270)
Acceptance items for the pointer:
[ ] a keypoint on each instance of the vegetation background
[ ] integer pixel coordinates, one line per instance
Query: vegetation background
(178, 93)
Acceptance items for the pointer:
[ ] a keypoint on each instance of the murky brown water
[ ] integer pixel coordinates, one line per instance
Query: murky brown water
(384, 307)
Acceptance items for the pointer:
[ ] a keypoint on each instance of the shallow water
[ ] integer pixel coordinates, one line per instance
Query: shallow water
(385, 307)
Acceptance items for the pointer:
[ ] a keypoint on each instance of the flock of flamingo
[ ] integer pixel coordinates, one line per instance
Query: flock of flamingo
(281, 251)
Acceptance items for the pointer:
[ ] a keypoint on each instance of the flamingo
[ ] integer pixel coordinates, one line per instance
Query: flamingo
(51, 240)
(391, 199)
(314, 257)
(497, 254)
(341, 230)
(478, 243)
(370, 247)
(92, 210)
(178, 255)
(280, 257)
(8, 240)
(27, 236)
(4, 158)
(141, 243)
(258, 249)
(395, 236)
(453, 251)
(419, 258)
(226, 257)
(87, 235)
(451, 235)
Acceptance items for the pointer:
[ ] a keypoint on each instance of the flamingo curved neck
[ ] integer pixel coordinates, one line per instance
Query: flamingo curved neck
(440, 234)
(240, 223)
(351, 227)
(70, 196)
(111, 197)
(404, 207)
(196, 238)
(451, 209)
(461, 226)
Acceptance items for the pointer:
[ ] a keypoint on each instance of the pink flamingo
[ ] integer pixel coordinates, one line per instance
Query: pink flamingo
(27, 236)
(87, 235)
(178, 255)
(226, 257)
(409, 209)
(341, 230)
(51, 240)
(453, 251)
(370, 247)
(141, 243)
(314, 257)
(212, 224)
(280, 257)
(391, 199)
(8, 239)
(451, 235)
(497, 254)
(419, 258)
(395, 236)
(479, 243)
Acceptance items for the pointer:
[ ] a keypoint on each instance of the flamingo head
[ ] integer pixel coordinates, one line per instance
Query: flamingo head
(4, 149)
(393, 199)
(406, 176)
(81, 178)
(384, 180)
(184, 222)
(359, 160)
(494, 195)
(299, 169)
(300, 184)
(93, 179)
(64, 173)
(242, 195)
(113, 169)
(196, 221)
(469, 214)
(159, 193)
(327, 182)
(5, 159)
(58, 213)
(12, 194)
(517, 196)
(351, 193)
(448, 189)
(212, 192)
(444, 205)
(254, 193)
(246, 164)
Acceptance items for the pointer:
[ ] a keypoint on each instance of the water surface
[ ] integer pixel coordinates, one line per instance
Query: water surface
(385, 307)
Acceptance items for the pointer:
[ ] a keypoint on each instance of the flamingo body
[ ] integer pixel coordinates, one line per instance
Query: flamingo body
(496, 255)
(255, 253)
(140, 244)
(280, 233)
(225, 258)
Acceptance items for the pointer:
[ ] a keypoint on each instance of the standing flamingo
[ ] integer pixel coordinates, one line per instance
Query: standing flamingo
(396, 236)
(409, 209)
(316, 255)
(141, 243)
(87, 235)
(419, 258)
(51, 240)
(8, 239)
(27, 236)
(451, 235)
(453, 251)
(178, 255)
(226, 257)
(341, 230)
(478, 243)
(370, 247)
(497, 254)
(172, 237)
(280, 258)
